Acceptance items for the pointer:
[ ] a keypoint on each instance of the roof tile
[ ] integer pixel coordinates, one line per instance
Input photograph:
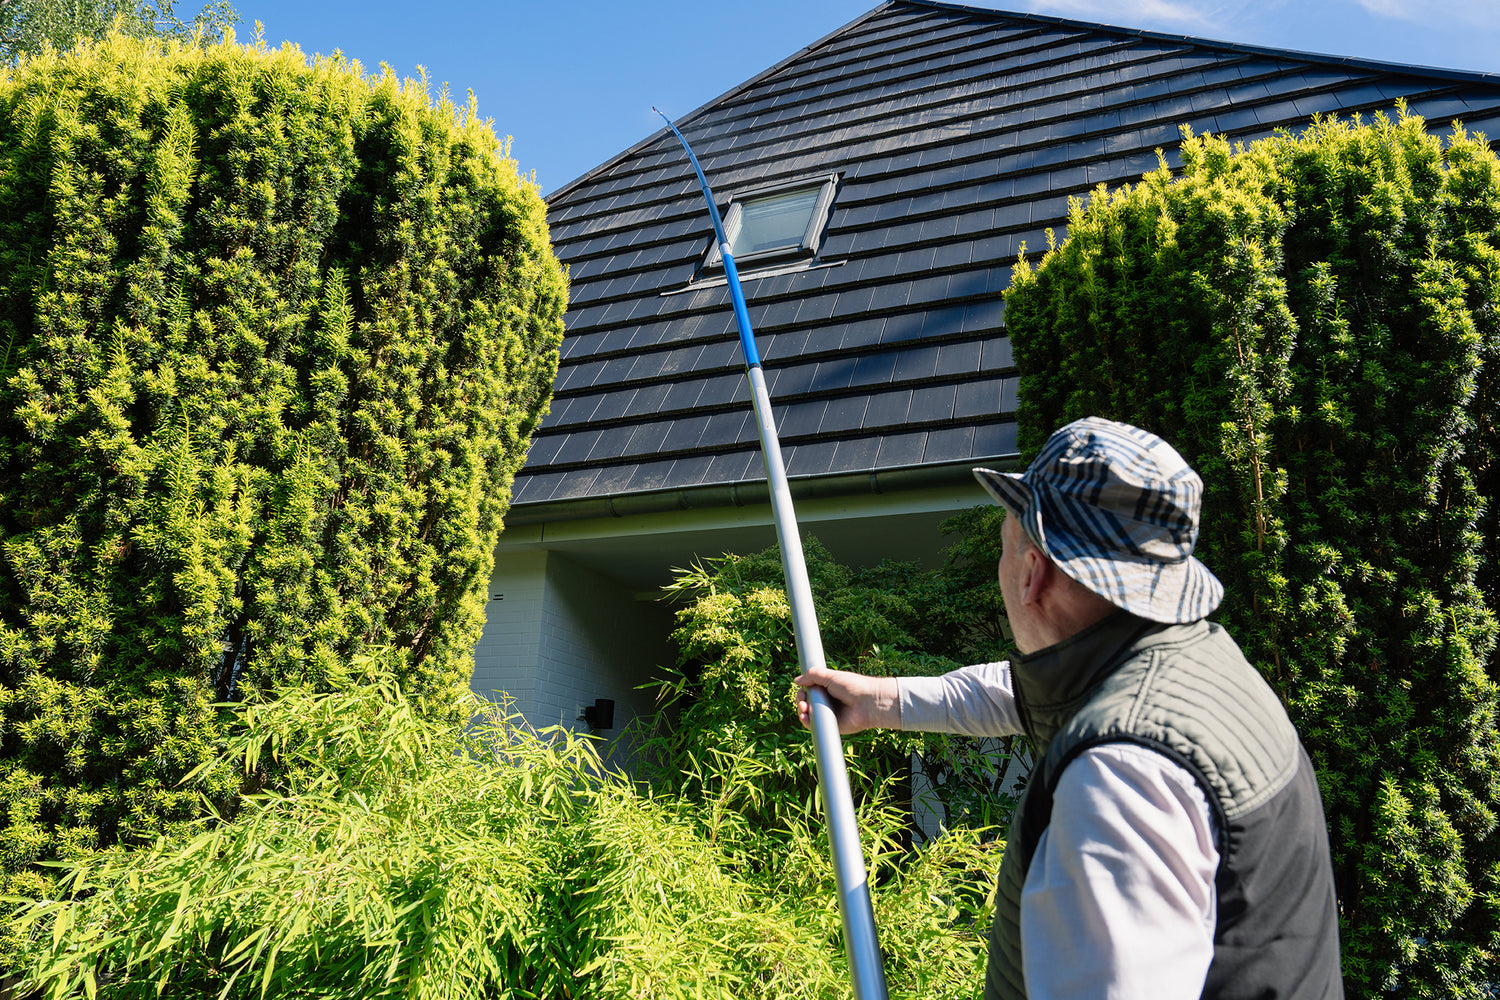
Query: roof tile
(917, 364)
(682, 396)
(648, 438)
(958, 359)
(931, 404)
(943, 321)
(576, 446)
(902, 327)
(984, 316)
(978, 399)
(823, 340)
(691, 471)
(733, 467)
(995, 440)
(846, 413)
(855, 454)
(781, 346)
(834, 375)
(812, 458)
(651, 475)
(948, 444)
(802, 419)
(575, 483)
(611, 444)
(887, 409)
(647, 400)
(897, 450)
(792, 381)
(862, 334)
(535, 487)
(544, 448)
(874, 369)
(723, 429)
(721, 354)
(556, 414)
(681, 360)
(614, 479)
(646, 365)
(997, 355)
(816, 308)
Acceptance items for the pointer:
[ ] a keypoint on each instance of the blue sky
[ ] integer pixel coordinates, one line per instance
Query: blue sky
(573, 82)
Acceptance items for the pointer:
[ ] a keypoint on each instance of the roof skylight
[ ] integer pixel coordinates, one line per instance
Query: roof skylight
(783, 221)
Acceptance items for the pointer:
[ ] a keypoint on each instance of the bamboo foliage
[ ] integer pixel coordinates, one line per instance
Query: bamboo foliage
(395, 853)
(276, 334)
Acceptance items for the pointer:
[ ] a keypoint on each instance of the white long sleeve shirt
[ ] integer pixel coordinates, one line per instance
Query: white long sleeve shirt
(1119, 900)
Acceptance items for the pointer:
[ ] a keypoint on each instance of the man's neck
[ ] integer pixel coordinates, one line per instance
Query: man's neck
(1070, 613)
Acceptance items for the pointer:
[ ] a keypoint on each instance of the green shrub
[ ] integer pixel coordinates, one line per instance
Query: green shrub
(729, 708)
(31, 25)
(394, 853)
(273, 338)
(1311, 320)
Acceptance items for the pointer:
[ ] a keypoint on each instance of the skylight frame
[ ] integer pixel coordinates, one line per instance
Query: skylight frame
(812, 236)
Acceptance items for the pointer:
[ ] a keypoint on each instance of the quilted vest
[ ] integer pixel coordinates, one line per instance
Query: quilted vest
(1187, 692)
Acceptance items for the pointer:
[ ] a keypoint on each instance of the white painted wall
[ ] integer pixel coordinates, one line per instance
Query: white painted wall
(558, 635)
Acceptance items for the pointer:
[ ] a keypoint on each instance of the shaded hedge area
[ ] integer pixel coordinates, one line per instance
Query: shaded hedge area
(1313, 321)
(273, 338)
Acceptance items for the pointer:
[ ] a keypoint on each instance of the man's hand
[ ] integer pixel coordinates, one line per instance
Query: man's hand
(859, 702)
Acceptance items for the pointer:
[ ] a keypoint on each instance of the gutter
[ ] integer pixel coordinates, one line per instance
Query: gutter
(755, 493)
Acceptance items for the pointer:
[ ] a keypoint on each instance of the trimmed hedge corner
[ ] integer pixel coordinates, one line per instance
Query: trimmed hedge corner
(273, 337)
(1313, 321)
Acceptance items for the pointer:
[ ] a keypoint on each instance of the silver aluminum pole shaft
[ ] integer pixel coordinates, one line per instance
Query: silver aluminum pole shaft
(860, 942)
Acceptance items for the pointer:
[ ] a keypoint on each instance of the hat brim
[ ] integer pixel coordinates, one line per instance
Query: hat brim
(1175, 592)
(1013, 493)
(1007, 489)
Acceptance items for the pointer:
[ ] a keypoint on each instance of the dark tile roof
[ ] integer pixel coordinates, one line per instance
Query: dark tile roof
(959, 134)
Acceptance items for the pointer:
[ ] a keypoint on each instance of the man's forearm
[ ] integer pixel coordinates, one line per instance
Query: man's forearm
(974, 701)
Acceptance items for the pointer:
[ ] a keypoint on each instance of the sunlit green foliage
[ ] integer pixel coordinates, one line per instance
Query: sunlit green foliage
(394, 853)
(1314, 322)
(31, 25)
(273, 338)
(730, 707)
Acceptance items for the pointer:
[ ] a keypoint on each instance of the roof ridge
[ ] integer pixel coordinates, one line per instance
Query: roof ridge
(738, 88)
(1360, 62)
(998, 14)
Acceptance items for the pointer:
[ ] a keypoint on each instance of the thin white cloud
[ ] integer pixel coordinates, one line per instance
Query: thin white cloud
(1477, 13)
(1162, 15)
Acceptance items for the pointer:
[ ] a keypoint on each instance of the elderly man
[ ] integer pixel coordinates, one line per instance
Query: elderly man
(1170, 841)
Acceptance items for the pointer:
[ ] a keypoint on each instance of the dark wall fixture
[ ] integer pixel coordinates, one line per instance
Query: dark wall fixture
(600, 715)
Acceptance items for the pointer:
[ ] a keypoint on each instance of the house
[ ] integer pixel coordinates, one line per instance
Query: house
(879, 184)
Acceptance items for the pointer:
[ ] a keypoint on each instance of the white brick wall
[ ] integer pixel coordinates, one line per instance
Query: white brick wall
(506, 657)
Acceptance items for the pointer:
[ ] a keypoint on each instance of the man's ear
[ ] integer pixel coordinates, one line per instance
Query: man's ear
(1035, 572)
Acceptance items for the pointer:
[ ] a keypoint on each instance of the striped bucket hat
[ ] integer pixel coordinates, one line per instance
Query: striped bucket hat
(1115, 508)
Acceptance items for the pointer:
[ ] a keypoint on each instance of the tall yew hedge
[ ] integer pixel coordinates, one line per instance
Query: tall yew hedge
(1314, 320)
(273, 338)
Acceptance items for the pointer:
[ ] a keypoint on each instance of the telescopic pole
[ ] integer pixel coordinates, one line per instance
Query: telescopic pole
(833, 778)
